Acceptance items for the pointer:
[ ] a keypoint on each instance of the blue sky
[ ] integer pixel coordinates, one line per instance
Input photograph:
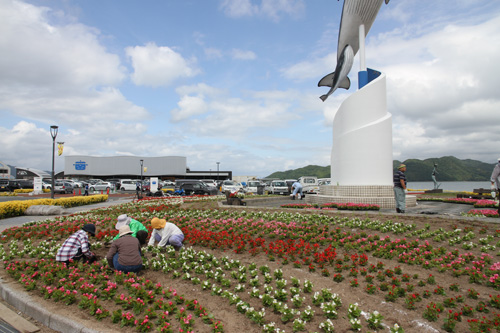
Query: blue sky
(235, 81)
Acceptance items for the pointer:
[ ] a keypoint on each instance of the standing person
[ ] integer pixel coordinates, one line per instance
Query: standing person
(86, 189)
(166, 233)
(400, 188)
(297, 188)
(77, 246)
(134, 225)
(138, 190)
(125, 252)
(495, 181)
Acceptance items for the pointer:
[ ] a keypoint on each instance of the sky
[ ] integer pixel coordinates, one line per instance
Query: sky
(235, 81)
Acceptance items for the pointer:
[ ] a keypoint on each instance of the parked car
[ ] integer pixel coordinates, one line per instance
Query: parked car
(289, 183)
(115, 181)
(63, 187)
(25, 183)
(128, 184)
(231, 186)
(4, 185)
(101, 186)
(278, 187)
(194, 186)
(46, 185)
(309, 184)
(255, 186)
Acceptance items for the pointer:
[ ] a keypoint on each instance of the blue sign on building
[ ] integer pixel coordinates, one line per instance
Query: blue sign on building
(80, 165)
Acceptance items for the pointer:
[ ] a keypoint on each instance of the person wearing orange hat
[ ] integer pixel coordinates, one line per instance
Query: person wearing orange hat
(166, 233)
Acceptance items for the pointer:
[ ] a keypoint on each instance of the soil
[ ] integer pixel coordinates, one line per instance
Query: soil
(393, 312)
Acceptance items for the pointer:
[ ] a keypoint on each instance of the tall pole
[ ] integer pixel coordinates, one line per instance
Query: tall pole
(142, 163)
(53, 132)
(217, 171)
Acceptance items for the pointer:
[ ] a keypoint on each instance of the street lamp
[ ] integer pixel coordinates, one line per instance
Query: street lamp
(217, 171)
(142, 163)
(53, 132)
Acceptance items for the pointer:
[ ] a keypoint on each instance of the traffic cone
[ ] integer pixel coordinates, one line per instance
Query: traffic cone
(107, 191)
(74, 192)
(79, 191)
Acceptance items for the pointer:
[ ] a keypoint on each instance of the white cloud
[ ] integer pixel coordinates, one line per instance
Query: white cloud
(238, 8)
(268, 8)
(159, 65)
(243, 55)
(67, 56)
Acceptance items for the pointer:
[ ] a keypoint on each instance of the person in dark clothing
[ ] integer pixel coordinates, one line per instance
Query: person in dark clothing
(400, 188)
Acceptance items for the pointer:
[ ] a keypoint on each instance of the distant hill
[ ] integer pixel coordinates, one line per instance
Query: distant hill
(310, 170)
(449, 169)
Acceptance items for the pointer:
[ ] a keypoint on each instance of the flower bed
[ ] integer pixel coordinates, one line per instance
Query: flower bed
(331, 205)
(18, 207)
(270, 271)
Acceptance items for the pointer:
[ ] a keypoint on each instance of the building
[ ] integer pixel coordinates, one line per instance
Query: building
(5, 171)
(164, 167)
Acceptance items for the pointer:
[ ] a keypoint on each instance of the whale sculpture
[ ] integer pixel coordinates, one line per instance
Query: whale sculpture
(354, 14)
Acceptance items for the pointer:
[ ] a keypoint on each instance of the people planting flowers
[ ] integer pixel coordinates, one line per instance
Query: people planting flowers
(224, 277)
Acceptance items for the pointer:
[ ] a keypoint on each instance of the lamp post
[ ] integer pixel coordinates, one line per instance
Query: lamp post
(53, 132)
(142, 163)
(217, 171)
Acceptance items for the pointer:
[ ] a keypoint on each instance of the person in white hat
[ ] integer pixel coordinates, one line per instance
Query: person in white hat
(134, 226)
(495, 181)
(125, 252)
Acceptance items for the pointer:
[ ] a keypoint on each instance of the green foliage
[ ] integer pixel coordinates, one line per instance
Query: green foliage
(449, 169)
(310, 170)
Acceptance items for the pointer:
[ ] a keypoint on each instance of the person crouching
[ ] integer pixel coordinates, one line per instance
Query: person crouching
(166, 233)
(125, 252)
(77, 246)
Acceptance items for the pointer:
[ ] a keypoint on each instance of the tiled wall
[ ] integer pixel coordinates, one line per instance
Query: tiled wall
(377, 195)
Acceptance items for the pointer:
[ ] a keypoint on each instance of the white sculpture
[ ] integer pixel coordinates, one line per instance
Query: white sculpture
(356, 14)
(362, 127)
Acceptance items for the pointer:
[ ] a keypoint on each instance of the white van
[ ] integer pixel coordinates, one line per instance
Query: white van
(278, 187)
(128, 184)
(309, 184)
(253, 185)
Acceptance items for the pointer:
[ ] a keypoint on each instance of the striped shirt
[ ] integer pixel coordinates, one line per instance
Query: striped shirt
(397, 178)
(70, 247)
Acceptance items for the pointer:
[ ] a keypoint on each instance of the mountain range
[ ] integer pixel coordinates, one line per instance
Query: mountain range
(449, 168)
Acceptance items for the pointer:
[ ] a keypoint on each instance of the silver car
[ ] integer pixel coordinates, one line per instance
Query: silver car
(63, 187)
(101, 186)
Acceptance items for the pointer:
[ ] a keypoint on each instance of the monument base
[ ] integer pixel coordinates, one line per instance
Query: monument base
(382, 195)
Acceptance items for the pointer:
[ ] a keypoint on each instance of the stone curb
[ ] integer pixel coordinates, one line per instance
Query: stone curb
(25, 304)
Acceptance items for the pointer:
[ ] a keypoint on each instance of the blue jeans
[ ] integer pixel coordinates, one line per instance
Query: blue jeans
(297, 189)
(125, 269)
(400, 196)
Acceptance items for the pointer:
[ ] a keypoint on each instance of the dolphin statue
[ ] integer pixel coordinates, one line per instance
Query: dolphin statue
(354, 14)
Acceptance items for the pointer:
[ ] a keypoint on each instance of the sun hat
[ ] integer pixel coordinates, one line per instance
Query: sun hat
(122, 220)
(124, 230)
(401, 166)
(90, 228)
(157, 223)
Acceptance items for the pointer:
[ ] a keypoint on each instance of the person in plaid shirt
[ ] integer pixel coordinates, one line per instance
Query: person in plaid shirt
(77, 246)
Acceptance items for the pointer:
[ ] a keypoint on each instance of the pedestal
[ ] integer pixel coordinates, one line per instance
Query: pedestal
(382, 195)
